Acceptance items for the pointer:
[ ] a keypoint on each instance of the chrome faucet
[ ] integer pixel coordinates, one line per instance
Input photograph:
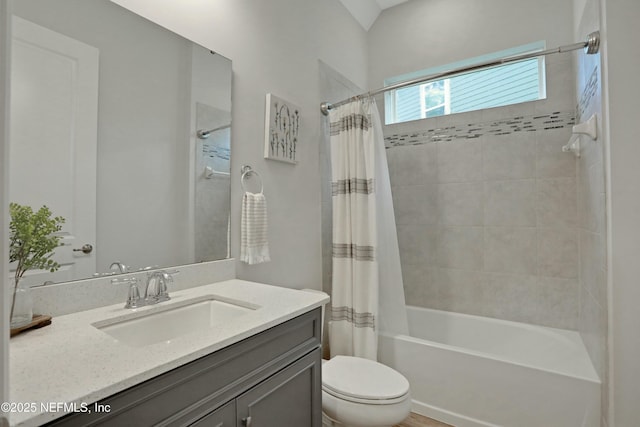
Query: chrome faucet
(157, 286)
(156, 290)
(119, 267)
(133, 298)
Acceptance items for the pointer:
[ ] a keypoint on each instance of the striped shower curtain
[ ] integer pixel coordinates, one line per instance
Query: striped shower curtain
(354, 298)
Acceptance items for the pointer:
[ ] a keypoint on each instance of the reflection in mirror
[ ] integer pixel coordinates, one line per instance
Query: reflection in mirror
(104, 117)
(211, 217)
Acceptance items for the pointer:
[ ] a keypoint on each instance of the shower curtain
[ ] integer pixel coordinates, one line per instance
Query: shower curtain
(359, 173)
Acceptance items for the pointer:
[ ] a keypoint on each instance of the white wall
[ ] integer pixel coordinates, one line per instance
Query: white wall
(275, 46)
(622, 100)
(439, 32)
(578, 10)
(5, 31)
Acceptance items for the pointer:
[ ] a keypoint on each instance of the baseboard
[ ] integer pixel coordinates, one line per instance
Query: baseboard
(448, 417)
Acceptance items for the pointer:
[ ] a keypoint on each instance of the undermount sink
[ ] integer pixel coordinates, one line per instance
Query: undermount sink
(173, 320)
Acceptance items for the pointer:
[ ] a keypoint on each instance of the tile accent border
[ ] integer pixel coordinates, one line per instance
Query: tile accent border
(211, 149)
(533, 123)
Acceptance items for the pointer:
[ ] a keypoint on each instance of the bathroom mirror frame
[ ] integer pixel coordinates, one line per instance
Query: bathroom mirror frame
(168, 195)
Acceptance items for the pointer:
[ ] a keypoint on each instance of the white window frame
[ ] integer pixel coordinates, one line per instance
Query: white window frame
(424, 111)
(390, 96)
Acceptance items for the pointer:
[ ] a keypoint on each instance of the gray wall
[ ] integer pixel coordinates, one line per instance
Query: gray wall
(275, 47)
(621, 95)
(592, 204)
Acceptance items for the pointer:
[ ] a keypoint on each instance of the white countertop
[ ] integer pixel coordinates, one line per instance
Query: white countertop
(72, 361)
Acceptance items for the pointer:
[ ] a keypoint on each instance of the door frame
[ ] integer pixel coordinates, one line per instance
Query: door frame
(5, 56)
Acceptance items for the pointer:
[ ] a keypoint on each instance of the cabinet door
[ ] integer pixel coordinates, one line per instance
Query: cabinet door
(290, 398)
(223, 417)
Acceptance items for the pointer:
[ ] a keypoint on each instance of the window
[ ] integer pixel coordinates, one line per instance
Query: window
(491, 87)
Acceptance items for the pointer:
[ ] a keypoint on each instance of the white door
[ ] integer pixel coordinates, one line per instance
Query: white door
(53, 139)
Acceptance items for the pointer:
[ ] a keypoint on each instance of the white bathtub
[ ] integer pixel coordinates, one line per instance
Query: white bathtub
(473, 371)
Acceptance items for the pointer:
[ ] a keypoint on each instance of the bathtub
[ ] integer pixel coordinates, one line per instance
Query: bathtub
(472, 371)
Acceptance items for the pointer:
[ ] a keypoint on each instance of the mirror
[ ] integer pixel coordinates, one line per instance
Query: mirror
(105, 112)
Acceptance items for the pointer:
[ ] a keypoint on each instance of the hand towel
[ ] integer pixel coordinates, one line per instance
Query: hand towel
(254, 246)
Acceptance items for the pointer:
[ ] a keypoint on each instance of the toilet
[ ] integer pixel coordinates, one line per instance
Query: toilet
(358, 392)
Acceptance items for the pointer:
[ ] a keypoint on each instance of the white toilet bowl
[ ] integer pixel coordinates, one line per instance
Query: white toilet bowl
(358, 392)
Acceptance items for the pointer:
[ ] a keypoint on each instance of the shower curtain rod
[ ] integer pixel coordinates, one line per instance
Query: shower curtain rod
(204, 134)
(591, 46)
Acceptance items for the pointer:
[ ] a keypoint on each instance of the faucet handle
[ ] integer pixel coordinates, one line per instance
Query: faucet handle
(163, 293)
(163, 272)
(118, 281)
(134, 300)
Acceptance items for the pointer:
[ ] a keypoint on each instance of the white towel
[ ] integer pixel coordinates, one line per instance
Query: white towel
(254, 247)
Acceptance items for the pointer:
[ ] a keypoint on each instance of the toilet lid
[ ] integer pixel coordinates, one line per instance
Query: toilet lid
(358, 378)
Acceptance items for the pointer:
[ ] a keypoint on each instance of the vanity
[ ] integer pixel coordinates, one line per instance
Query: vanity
(245, 354)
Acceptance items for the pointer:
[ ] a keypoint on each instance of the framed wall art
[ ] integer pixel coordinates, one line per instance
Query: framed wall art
(282, 127)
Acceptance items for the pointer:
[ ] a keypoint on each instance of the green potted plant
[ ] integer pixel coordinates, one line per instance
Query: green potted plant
(31, 245)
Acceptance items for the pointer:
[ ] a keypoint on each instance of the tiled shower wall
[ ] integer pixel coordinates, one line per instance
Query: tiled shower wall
(486, 208)
(211, 214)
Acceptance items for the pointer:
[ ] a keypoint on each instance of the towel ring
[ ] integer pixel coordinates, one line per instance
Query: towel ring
(246, 171)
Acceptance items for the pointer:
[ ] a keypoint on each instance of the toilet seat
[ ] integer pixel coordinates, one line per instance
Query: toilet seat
(358, 380)
(365, 401)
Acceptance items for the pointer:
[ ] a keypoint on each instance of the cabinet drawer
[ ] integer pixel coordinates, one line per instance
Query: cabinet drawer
(189, 392)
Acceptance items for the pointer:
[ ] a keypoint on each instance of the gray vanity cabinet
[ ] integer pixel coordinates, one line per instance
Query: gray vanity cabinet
(271, 379)
(225, 416)
(281, 400)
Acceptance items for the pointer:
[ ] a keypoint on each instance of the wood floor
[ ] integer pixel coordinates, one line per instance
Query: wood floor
(416, 420)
